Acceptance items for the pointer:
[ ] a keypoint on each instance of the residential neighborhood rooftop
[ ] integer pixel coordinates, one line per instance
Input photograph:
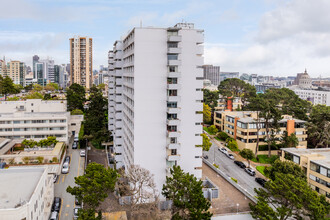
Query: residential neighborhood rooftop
(321, 156)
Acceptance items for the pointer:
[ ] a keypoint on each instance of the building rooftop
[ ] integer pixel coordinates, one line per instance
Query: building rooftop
(320, 156)
(18, 185)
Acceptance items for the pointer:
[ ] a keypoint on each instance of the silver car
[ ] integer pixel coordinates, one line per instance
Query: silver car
(65, 168)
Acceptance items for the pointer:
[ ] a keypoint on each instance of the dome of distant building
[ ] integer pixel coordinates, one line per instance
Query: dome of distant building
(303, 80)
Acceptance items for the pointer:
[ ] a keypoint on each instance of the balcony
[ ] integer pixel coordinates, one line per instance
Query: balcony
(200, 50)
(173, 38)
(173, 121)
(173, 157)
(173, 146)
(173, 133)
(200, 38)
(173, 110)
(174, 50)
(173, 98)
(174, 62)
(174, 74)
(173, 86)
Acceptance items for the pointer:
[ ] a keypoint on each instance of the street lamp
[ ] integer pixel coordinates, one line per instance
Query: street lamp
(237, 207)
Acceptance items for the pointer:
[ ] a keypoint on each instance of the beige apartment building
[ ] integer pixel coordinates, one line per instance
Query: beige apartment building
(228, 104)
(15, 70)
(81, 61)
(242, 126)
(315, 163)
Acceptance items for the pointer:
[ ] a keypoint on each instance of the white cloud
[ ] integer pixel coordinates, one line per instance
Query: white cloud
(293, 36)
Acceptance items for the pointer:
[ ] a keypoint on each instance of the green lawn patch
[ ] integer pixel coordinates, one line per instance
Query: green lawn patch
(206, 129)
(265, 159)
(261, 169)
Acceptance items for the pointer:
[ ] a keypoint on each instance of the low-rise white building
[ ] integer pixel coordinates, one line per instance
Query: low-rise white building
(26, 193)
(36, 119)
(314, 96)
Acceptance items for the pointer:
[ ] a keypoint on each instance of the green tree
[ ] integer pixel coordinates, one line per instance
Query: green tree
(7, 86)
(318, 127)
(247, 154)
(292, 197)
(89, 214)
(95, 185)
(206, 142)
(75, 96)
(34, 95)
(29, 143)
(37, 88)
(289, 140)
(236, 88)
(186, 193)
(222, 135)
(96, 117)
(101, 86)
(76, 112)
(211, 98)
(53, 85)
(212, 129)
(47, 96)
(286, 167)
(232, 144)
(207, 119)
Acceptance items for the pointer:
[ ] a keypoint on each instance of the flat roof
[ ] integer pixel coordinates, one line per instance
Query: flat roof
(17, 185)
(325, 152)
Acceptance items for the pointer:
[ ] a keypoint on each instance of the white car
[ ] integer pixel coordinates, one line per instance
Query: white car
(250, 171)
(83, 153)
(65, 168)
(223, 150)
(230, 156)
(54, 216)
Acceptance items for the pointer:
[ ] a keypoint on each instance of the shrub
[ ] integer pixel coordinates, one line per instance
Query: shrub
(212, 129)
(12, 161)
(216, 166)
(76, 112)
(265, 147)
(55, 160)
(20, 163)
(233, 179)
(232, 145)
(222, 135)
(26, 160)
(40, 159)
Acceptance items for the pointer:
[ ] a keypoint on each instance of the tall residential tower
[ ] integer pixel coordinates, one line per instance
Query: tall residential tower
(81, 61)
(155, 99)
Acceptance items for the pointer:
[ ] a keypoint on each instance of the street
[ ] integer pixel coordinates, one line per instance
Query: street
(228, 166)
(65, 180)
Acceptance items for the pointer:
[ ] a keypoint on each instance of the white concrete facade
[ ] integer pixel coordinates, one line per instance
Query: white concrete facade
(314, 96)
(36, 119)
(28, 194)
(155, 99)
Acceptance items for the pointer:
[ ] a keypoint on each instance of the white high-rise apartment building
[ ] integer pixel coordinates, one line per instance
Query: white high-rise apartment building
(155, 99)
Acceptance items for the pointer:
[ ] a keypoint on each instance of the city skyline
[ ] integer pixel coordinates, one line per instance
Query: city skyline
(266, 37)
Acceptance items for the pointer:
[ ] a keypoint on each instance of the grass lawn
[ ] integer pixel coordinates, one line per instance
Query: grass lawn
(265, 159)
(261, 169)
(206, 129)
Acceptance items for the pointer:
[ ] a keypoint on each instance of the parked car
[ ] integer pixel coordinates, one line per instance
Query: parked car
(240, 164)
(261, 181)
(65, 168)
(57, 204)
(75, 145)
(76, 201)
(55, 178)
(250, 171)
(206, 157)
(54, 216)
(83, 153)
(230, 156)
(67, 159)
(75, 213)
(223, 150)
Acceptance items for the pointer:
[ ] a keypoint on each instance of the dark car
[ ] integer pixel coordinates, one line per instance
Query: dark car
(206, 157)
(57, 204)
(261, 181)
(76, 201)
(55, 178)
(67, 159)
(240, 164)
(75, 145)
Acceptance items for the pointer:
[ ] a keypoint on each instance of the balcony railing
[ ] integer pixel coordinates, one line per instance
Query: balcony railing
(173, 157)
(174, 38)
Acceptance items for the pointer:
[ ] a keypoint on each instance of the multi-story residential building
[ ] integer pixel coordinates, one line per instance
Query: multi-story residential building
(27, 193)
(212, 73)
(262, 87)
(16, 71)
(228, 75)
(155, 99)
(315, 163)
(36, 119)
(228, 104)
(3, 67)
(242, 126)
(316, 97)
(321, 83)
(35, 59)
(81, 61)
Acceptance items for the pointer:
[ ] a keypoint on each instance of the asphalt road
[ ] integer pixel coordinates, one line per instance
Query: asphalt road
(228, 166)
(65, 180)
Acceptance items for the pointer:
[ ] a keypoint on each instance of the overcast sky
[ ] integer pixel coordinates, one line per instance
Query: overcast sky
(267, 37)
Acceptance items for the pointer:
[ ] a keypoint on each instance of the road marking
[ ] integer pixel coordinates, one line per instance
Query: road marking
(68, 206)
(79, 166)
(66, 214)
(59, 215)
(63, 178)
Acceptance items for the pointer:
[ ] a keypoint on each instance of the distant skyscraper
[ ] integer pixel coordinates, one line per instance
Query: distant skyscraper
(228, 75)
(35, 59)
(16, 71)
(212, 73)
(81, 61)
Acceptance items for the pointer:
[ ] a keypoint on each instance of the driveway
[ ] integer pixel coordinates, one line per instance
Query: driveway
(65, 180)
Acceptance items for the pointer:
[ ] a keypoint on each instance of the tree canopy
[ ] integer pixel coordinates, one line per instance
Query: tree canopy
(211, 98)
(289, 140)
(207, 118)
(247, 154)
(206, 142)
(186, 193)
(7, 86)
(286, 167)
(75, 97)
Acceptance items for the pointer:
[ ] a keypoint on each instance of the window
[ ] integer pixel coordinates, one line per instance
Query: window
(172, 56)
(173, 69)
(172, 45)
(172, 104)
(323, 171)
(173, 152)
(172, 92)
(173, 140)
(296, 159)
